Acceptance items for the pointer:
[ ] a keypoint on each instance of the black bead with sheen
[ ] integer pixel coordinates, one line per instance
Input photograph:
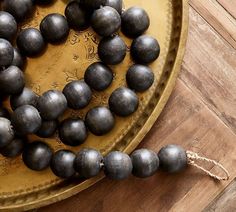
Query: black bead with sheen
(6, 132)
(99, 120)
(18, 60)
(145, 163)
(92, 4)
(145, 49)
(105, 21)
(139, 77)
(52, 104)
(30, 42)
(116, 4)
(26, 97)
(135, 21)
(47, 129)
(26, 120)
(8, 26)
(98, 76)
(88, 162)
(123, 102)
(117, 165)
(12, 80)
(20, 9)
(72, 132)
(37, 155)
(6, 53)
(112, 50)
(62, 164)
(54, 28)
(78, 94)
(13, 149)
(172, 158)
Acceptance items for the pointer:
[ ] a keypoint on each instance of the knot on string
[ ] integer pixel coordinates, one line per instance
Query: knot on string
(194, 157)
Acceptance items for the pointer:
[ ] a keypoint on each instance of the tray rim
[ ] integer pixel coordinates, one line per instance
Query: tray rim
(141, 133)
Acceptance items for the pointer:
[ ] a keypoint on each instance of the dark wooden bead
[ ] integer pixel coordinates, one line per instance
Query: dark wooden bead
(91, 4)
(72, 132)
(44, 2)
(145, 49)
(135, 21)
(18, 60)
(88, 163)
(30, 42)
(8, 26)
(100, 120)
(112, 50)
(52, 104)
(117, 165)
(6, 53)
(78, 94)
(13, 149)
(12, 80)
(47, 129)
(26, 120)
(123, 102)
(37, 155)
(20, 9)
(98, 76)
(116, 4)
(172, 158)
(105, 21)
(4, 113)
(62, 164)
(54, 28)
(26, 97)
(139, 77)
(6, 132)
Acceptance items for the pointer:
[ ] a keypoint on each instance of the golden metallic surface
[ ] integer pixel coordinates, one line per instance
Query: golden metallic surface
(23, 189)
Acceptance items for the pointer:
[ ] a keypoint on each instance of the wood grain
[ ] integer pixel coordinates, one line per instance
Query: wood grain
(229, 5)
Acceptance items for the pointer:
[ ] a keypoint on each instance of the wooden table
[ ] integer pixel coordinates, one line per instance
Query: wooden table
(200, 115)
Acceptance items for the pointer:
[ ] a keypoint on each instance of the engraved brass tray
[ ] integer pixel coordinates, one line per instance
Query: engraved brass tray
(23, 189)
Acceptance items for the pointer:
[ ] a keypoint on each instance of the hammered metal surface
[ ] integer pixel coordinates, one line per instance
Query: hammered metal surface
(21, 188)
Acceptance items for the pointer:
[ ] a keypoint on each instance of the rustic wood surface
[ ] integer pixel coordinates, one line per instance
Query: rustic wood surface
(200, 115)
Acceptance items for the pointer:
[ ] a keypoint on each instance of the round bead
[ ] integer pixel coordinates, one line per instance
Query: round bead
(54, 28)
(26, 97)
(44, 2)
(105, 21)
(116, 4)
(47, 129)
(135, 21)
(26, 119)
(37, 155)
(92, 4)
(117, 165)
(172, 158)
(13, 149)
(12, 80)
(145, 163)
(6, 132)
(52, 104)
(18, 59)
(98, 76)
(112, 50)
(88, 163)
(73, 132)
(8, 26)
(6, 53)
(139, 77)
(100, 120)
(62, 164)
(145, 49)
(30, 42)
(20, 9)
(78, 94)
(77, 17)
(4, 113)
(123, 102)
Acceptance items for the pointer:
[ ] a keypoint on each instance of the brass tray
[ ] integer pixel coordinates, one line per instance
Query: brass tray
(23, 189)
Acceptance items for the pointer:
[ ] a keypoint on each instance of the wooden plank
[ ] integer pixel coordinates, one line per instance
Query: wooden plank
(185, 121)
(218, 18)
(224, 202)
(229, 5)
(209, 69)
